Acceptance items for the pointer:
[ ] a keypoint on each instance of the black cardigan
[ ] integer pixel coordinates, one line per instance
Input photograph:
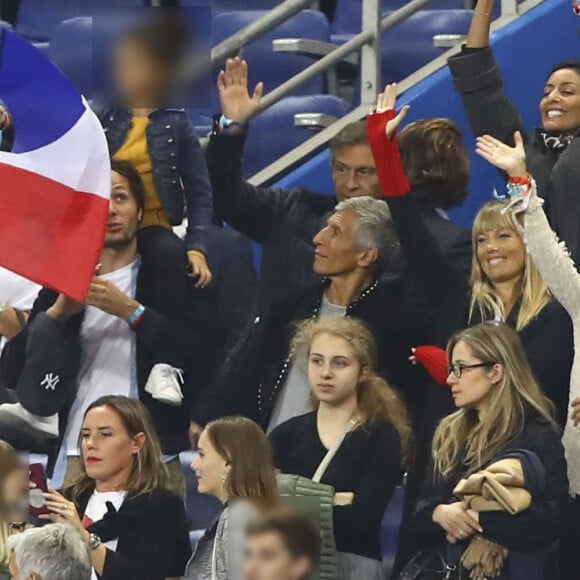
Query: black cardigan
(477, 78)
(152, 532)
(534, 529)
(367, 464)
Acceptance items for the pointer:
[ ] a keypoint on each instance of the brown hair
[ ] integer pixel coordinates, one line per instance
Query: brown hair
(353, 134)
(376, 399)
(436, 161)
(147, 472)
(515, 398)
(244, 446)
(298, 533)
(127, 170)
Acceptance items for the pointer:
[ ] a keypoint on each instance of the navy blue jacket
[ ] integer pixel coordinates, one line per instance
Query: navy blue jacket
(178, 163)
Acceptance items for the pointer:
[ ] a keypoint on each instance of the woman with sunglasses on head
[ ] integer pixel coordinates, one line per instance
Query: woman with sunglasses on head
(360, 418)
(553, 149)
(235, 465)
(561, 274)
(505, 285)
(501, 412)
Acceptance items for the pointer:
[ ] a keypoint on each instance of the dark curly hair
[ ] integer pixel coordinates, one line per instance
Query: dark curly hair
(130, 173)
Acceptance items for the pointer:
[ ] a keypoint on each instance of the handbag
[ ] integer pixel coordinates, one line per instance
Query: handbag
(433, 564)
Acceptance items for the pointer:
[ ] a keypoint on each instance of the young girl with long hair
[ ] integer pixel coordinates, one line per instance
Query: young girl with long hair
(357, 413)
(235, 465)
(500, 409)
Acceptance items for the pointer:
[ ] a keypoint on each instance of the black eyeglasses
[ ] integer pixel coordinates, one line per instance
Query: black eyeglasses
(458, 368)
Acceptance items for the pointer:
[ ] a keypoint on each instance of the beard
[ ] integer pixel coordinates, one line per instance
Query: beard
(122, 240)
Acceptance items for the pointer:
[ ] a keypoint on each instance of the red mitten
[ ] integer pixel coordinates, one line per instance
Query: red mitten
(434, 359)
(390, 169)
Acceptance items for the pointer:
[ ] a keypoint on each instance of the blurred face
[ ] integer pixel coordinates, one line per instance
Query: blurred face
(473, 390)
(354, 173)
(124, 214)
(333, 370)
(107, 449)
(210, 469)
(560, 105)
(335, 254)
(267, 558)
(501, 254)
(138, 78)
(14, 489)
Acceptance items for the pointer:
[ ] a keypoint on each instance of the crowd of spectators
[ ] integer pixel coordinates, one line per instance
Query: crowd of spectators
(380, 343)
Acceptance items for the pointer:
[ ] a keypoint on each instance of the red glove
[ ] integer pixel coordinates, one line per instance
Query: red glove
(434, 359)
(390, 169)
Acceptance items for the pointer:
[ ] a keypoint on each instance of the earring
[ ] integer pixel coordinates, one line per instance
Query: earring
(224, 478)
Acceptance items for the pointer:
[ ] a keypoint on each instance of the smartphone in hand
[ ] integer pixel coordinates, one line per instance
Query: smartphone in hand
(37, 503)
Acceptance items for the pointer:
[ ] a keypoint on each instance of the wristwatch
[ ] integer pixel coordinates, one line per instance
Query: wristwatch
(94, 542)
(221, 122)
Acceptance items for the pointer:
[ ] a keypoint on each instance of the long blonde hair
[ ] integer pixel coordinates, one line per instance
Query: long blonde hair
(515, 398)
(147, 470)
(376, 399)
(534, 292)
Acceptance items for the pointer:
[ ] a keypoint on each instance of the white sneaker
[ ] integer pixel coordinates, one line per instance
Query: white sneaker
(13, 416)
(164, 384)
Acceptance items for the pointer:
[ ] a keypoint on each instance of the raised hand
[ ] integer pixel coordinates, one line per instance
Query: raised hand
(512, 160)
(386, 101)
(236, 102)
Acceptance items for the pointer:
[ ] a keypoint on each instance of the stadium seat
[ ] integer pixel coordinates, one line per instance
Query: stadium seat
(71, 49)
(289, 117)
(38, 19)
(400, 57)
(219, 6)
(391, 528)
(266, 65)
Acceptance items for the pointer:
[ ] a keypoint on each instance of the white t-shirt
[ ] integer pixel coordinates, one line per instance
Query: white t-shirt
(106, 358)
(96, 510)
(17, 292)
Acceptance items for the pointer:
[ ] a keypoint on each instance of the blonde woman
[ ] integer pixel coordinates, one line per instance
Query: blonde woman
(561, 274)
(355, 410)
(505, 285)
(500, 408)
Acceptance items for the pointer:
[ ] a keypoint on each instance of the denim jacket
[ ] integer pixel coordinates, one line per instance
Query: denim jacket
(178, 164)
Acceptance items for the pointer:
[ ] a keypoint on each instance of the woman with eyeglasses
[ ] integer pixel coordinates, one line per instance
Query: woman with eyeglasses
(504, 285)
(500, 410)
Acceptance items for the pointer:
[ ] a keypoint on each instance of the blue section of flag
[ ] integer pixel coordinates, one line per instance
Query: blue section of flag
(43, 104)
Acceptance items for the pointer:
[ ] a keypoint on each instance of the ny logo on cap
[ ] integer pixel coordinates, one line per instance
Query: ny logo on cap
(50, 381)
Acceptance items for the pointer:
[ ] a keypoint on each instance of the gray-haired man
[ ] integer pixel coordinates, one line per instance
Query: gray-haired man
(53, 552)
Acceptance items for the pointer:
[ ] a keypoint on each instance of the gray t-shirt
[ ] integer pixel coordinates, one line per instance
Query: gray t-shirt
(293, 398)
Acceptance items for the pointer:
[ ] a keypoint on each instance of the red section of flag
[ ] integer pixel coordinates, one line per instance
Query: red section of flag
(86, 521)
(50, 233)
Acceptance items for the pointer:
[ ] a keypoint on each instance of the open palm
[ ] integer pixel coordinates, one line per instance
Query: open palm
(386, 101)
(512, 160)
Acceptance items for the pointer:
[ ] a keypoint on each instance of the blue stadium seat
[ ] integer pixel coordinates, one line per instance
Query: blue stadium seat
(71, 49)
(273, 133)
(391, 528)
(38, 19)
(266, 65)
(348, 20)
(219, 6)
(400, 57)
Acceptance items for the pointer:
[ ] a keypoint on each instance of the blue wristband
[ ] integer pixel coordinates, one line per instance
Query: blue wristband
(137, 314)
(225, 123)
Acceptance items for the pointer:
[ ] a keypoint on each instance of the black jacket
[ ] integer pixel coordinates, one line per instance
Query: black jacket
(52, 346)
(533, 530)
(284, 221)
(152, 532)
(478, 79)
(255, 371)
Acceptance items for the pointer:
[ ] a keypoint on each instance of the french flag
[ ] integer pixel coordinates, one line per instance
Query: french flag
(56, 182)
